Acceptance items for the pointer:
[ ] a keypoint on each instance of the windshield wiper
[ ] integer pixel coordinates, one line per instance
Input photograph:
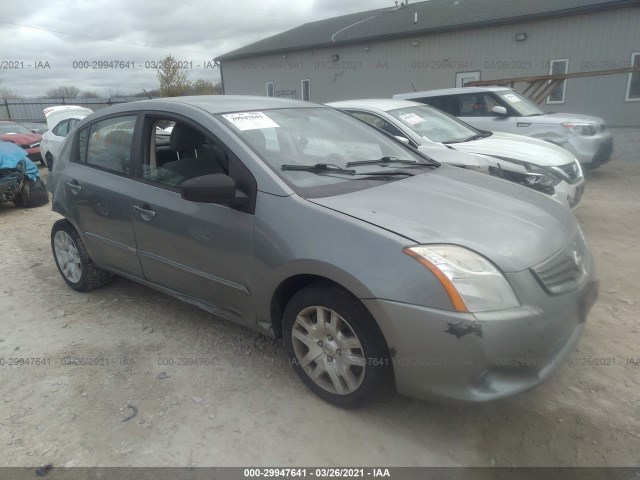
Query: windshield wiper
(387, 173)
(475, 137)
(319, 168)
(380, 161)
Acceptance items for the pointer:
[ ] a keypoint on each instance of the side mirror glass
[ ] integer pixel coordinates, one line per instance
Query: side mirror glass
(215, 188)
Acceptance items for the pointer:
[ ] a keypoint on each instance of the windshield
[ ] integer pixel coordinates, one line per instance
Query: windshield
(433, 124)
(522, 105)
(13, 128)
(304, 137)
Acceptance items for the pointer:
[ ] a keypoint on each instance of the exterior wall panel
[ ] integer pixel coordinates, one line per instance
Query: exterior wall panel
(596, 41)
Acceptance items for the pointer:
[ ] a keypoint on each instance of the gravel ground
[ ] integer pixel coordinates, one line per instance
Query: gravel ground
(244, 406)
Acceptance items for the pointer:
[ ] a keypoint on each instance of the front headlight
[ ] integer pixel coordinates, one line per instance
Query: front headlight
(586, 129)
(471, 281)
(571, 172)
(542, 177)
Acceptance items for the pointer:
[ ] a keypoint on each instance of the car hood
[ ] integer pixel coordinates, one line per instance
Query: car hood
(21, 138)
(451, 156)
(518, 147)
(558, 118)
(55, 115)
(513, 226)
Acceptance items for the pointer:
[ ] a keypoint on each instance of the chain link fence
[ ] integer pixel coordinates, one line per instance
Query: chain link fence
(30, 110)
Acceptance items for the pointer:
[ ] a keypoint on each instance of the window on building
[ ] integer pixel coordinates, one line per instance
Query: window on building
(558, 67)
(271, 89)
(633, 84)
(306, 90)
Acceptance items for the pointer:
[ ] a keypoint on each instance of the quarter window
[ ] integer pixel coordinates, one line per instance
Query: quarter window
(107, 144)
(61, 129)
(558, 67)
(633, 83)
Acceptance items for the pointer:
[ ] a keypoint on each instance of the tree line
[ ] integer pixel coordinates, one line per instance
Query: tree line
(173, 81)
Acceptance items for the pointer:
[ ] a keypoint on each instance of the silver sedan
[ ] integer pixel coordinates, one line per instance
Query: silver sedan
(376, 265)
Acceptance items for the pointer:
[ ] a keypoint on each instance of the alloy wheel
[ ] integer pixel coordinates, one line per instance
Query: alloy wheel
(328, 350)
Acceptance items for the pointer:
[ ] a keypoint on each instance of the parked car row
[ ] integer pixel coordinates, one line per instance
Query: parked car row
(376, 262)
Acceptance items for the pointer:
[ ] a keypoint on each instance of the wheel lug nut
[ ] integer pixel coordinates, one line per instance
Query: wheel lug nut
(339, 352)
(329, 337)
(329, 359)
(319, 343)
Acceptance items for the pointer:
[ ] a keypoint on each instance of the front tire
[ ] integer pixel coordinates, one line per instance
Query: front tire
(335, 346)
(73, 261)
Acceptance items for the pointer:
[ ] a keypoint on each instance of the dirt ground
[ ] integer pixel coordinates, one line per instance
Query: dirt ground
(244, 406)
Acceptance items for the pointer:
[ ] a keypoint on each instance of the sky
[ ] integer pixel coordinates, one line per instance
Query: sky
(49, 43)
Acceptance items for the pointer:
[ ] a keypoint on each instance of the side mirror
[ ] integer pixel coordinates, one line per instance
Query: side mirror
(215, 188)
(402, 139)
(499, 110)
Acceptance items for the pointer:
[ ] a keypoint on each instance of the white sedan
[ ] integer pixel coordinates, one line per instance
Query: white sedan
(530, 162)
(60, 120)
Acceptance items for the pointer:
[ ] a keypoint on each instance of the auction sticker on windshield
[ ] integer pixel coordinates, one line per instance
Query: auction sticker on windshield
(411, 118)
(512, 98)
(250, 120)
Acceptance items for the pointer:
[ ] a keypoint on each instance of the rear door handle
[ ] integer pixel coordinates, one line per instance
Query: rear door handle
(144, 211)
(74, 186)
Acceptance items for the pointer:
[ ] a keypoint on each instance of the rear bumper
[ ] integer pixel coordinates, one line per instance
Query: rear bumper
(477, 358)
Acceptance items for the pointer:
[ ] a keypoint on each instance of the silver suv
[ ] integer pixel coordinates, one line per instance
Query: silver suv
(501, 109)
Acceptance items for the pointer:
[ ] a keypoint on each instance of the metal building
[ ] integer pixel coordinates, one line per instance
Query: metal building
(444, 43)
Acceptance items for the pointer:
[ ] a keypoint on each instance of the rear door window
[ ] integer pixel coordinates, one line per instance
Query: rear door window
(107, 144)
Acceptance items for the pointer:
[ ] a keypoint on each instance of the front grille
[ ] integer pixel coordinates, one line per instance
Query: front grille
(571, 171)
(565, 271)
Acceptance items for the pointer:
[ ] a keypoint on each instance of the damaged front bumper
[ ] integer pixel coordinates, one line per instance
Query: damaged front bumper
(11, 183)
(485, 356)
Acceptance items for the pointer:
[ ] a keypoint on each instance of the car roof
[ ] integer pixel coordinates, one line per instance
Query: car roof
(383, 104)
(449, 91)
(216, 103)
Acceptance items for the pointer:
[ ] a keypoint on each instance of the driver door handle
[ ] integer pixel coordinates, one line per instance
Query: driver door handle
(74, 186)
(144, 211)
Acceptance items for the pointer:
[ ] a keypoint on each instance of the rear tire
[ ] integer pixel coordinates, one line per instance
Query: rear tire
(49, 161)
(73, 261)
(335, 345)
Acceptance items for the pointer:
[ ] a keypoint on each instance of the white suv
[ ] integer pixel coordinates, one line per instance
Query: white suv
(501, 109)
